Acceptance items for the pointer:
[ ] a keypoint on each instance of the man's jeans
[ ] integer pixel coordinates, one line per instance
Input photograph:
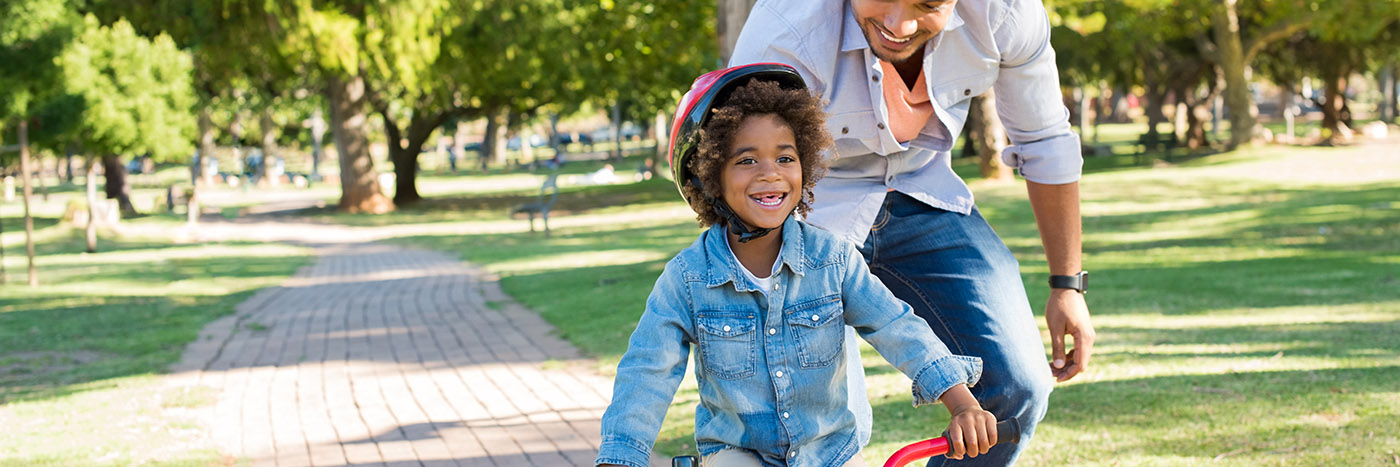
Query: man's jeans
(959, 276)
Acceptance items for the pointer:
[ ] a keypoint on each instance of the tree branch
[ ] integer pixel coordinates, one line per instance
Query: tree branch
(1207, 48)
(1279, 31)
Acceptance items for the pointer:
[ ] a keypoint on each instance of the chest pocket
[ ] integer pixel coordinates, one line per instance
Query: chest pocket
(957, 92)
(819, 330)
(727, 343)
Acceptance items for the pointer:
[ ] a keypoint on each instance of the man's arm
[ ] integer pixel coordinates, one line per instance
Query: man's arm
(1057, 217)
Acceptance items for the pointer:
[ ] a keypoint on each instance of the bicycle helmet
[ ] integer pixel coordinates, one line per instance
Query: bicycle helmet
(710, 91)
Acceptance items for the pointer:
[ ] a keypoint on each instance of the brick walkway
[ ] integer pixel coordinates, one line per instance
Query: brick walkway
(379, 355)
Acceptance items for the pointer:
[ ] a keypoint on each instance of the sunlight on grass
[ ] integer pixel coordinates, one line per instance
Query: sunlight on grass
(1246, 304)
(614, 257)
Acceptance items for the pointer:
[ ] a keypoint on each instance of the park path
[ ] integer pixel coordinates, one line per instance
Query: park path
(381, 355)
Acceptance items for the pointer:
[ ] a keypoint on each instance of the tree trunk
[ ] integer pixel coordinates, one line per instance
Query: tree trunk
(268, 126)
(617, 129)
(68, 164)
(206, 148)
(28, 196)
(1226, 26)
(732, 14)
(493, 144)
(1155, 98)
(987, 134)
(318, 128)
(1334, 127)
(117, 187)
(91, 227)
(1387, 105)
(663, 142)
(359, 183)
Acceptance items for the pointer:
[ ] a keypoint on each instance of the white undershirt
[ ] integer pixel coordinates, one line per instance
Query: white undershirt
(765, 283)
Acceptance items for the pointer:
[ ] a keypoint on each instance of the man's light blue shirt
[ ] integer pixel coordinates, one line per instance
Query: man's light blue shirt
(1001, 44)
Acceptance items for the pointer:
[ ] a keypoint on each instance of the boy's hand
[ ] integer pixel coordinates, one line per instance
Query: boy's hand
(972, 431)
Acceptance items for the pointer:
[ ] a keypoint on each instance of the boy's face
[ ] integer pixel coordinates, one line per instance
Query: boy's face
(762, 175)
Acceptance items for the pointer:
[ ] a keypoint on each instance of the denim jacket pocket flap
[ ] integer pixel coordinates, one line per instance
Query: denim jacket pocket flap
(726, 325)
(816, 313)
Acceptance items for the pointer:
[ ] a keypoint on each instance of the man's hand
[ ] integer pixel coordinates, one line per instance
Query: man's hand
(1066, 313)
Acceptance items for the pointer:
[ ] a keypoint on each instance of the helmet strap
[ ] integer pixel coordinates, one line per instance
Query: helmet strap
(731, 220)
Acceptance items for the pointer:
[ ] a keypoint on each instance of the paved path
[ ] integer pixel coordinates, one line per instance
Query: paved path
(380, 355)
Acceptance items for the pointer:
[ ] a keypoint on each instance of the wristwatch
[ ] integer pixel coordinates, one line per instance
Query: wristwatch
(1078, 282)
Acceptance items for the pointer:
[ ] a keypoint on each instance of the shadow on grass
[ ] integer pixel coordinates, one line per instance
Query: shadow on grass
(1173, 416)
(572, 200)
(95, 319)
(1291, 247)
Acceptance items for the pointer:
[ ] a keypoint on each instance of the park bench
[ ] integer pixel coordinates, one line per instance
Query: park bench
(1153, 141)
(549, 193)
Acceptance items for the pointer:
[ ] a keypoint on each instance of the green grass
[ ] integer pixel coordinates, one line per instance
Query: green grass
(1247, 304)
(81, 355)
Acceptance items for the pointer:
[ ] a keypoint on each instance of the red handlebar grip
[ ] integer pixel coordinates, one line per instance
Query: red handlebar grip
(920, 450)
(1008, 431)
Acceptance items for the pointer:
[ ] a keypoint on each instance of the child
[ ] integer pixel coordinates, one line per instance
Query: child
(765, 298)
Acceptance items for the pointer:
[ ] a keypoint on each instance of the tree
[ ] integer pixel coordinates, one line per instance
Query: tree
(137, 98)
(32, 34)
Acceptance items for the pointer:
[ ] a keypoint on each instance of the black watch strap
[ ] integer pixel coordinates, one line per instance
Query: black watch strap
(1078, 282)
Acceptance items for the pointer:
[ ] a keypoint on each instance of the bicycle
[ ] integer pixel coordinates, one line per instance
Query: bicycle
(1008, 431)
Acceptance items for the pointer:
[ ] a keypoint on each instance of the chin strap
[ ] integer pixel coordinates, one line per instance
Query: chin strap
(731, 220)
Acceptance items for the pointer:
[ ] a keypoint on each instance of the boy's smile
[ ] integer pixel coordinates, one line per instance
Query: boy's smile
(762, 180)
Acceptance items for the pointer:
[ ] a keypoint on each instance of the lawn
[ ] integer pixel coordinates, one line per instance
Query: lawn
(1247, 304)
(81, 356)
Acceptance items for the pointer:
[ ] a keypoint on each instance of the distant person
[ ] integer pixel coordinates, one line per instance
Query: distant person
(764, 299)
(895, 78)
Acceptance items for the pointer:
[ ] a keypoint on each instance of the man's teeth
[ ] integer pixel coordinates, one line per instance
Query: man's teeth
(892, 39)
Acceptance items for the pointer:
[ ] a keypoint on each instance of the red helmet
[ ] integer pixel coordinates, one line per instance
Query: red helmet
(711, 90)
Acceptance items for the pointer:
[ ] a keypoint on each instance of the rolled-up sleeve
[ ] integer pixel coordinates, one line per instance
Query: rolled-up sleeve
(1043, 146)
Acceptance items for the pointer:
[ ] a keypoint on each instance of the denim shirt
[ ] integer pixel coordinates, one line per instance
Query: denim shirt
(770, 367)
(1000, 44)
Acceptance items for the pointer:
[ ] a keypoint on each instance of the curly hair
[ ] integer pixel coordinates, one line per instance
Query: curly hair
(797, 108)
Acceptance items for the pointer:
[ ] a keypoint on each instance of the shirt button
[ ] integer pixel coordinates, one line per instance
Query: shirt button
(880, 125)
(875, 78)
(967, 92)
(772, 331)
(814, 318)
(845, 130)
(726, 329)
(779, 374)
(792, 453)
(785, 415)
(889, 179)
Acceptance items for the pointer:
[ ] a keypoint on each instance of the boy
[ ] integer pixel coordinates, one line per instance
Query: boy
(765, 298)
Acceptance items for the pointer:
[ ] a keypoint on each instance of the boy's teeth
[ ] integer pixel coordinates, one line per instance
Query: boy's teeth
(770, 200)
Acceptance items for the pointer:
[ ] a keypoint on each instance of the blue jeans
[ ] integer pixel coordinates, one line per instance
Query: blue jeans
(959, 276)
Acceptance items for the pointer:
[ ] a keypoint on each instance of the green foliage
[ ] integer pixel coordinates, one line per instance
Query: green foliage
(136, 92)
(32, 34)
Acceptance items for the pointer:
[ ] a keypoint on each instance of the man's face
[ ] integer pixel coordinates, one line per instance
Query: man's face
(898, 29)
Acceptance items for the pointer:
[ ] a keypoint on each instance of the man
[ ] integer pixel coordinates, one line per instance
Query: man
(896, 77)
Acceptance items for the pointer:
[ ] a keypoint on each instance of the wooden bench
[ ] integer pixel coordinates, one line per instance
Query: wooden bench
(549, 194)
(1150, 142)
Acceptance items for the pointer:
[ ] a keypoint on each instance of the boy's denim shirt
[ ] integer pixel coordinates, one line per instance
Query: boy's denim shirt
(770, 366)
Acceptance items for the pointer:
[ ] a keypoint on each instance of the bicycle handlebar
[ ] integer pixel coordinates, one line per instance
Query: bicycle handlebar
(1008, 431)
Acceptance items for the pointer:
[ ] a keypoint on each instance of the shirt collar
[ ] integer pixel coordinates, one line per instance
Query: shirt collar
(853, 39)
(724, 268)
